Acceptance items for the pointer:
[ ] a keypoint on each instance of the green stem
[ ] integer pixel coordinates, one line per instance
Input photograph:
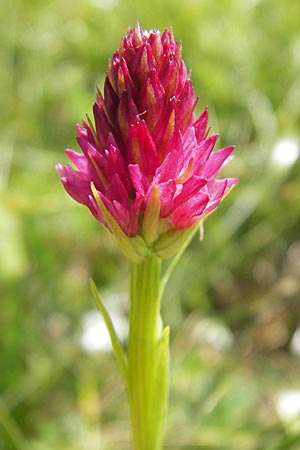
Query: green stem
(147, 355)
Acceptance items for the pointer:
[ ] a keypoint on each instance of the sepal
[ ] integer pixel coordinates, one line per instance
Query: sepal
(134, 248)
(173, 241)
(151, 216)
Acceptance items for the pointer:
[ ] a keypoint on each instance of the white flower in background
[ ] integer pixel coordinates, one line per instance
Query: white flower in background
(288, 407)
(213, 333)
(94, 337)
(295, 343)
(285, 152)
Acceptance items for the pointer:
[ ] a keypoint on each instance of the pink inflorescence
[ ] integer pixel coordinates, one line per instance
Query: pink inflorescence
(145, 139)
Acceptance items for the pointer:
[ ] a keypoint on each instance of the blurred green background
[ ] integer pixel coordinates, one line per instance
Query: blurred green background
(233, 300)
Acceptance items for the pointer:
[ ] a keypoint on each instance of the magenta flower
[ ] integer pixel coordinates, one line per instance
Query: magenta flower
(148, 168)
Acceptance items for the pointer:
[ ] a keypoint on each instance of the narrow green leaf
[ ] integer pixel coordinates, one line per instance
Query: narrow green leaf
(117, 347)
(161, 393)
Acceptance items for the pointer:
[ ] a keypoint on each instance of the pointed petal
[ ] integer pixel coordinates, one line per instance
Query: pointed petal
(122, 215)
(187, 213)
(115, 163)
(135, 208)
(189, 189)
(200, 125)
(116, 191)
(172, 164)
(185, 106)
(78, 159)
(77, 188)
(127, 114)
(203, 152)
(167, 191)
(215, 162)
(141, 149)
(215, 190)
(101, 124)
(139, 181)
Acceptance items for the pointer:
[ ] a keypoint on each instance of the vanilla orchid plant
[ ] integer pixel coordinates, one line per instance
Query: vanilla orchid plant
(147, 172)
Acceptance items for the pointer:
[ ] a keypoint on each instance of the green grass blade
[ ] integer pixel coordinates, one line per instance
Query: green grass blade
(117, 347)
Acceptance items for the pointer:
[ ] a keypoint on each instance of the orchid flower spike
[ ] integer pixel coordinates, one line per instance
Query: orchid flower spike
(147, 170)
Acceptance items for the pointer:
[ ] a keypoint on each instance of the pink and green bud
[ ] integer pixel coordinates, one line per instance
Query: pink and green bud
(147, 170)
